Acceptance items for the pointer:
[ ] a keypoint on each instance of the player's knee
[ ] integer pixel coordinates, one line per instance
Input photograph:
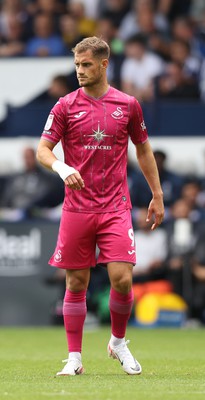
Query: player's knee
(76, 282)
(123, 284)
(76, 285)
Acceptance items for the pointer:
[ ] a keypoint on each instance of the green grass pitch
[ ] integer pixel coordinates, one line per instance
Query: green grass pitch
(173, 363)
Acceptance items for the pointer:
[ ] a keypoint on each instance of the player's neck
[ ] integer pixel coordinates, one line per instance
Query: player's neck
(96, 91)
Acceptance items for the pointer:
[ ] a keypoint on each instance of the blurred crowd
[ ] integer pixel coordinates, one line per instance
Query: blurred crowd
(157, 52)
(169, 260)
(157, 46)
(172, 258)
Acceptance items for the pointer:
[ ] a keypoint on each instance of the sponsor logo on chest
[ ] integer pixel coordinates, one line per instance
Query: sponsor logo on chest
(98, 135)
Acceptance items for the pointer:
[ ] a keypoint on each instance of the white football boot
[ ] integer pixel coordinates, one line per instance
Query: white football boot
(121, 352)
(72, 367)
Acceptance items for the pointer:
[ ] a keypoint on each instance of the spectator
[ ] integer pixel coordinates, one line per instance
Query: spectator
(10, 10)
(151, 256)
(3, 180)
(181, 232)
(174, 8)
(59, 87)
(191, 191)
(173, 84)
(69, 29)
(151, 248)
(107, 30)
(31, 188)
(183, 29)
(91, 8)
(180, 53)
(171, 184)
(132, 179)
(51, 7)
(13, 44)
(139, 190)
(155, 28)
(142, 19)
(139, 69)
(45, 41)
(187, 48)
(115, 10)
(201, 35)
(86, 26)
(201, 195)
(197, 10)
(198, 272)
(202, 81)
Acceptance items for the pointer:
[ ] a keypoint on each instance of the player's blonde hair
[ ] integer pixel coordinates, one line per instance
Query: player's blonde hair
(98, 47)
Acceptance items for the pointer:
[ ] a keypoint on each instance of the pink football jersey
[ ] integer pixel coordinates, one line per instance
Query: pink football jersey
(94, 135)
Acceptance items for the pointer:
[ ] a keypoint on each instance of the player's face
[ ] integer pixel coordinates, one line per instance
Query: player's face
(89, 69)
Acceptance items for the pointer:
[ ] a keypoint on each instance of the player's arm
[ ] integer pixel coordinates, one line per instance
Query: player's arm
(68, 174)
(148, 166)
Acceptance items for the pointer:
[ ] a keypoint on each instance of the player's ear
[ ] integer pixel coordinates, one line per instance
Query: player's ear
(104, 63)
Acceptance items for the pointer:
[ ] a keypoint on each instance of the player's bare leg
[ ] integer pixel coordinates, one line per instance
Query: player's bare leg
(74, 312)
(121, 302)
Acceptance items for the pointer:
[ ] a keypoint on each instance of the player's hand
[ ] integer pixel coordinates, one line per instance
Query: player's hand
(75, 181)
(156, 212)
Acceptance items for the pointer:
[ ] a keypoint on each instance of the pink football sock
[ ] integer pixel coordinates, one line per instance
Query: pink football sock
(74, 313)
(120, 310)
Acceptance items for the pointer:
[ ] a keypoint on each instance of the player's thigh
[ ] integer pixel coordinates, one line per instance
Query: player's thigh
(115, 238)
(75, 247)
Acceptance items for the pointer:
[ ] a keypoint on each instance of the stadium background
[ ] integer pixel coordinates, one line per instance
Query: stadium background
(176, 126)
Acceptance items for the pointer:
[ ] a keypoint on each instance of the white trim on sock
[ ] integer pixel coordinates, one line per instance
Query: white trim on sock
(114, 341)
(73, 355)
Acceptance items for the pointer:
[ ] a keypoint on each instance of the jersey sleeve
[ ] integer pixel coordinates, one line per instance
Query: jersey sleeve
(136, 128)
(55, 126)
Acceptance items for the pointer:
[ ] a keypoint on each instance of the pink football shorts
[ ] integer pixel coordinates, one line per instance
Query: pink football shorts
(81, 234)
